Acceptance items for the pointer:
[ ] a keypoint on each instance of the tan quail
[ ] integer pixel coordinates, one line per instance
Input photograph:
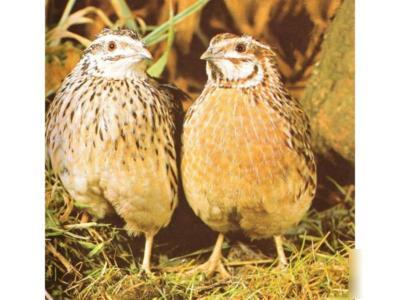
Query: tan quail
(111, 135)
(247, 163)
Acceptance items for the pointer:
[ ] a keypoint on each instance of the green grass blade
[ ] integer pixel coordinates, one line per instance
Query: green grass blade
(160, 30)
(157, 68)
(96, 250)
(126, 14)
(158, 39)
(87, 245)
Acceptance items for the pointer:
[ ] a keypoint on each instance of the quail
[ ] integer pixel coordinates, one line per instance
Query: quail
(247, 164)
(112, 135)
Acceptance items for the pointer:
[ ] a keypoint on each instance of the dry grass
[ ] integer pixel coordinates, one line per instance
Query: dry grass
(97, 260)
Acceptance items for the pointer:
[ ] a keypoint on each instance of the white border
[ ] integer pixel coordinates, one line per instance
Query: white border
(377, 148)
(22, 150)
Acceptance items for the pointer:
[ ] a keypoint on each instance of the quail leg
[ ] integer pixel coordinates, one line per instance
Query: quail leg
(281, 254)
(147, 253)
(214, 263)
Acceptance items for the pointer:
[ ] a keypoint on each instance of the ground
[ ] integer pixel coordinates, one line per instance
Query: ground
(96, 259)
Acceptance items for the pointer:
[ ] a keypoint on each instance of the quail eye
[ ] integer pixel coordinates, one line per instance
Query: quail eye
(240, 47)
(112, 46)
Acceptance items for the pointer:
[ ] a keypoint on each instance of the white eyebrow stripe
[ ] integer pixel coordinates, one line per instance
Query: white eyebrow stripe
(242, 39)
(118, 38)
(224, 43)
(262, 45)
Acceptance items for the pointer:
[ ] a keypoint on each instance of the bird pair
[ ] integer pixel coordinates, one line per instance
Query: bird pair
(114, 137)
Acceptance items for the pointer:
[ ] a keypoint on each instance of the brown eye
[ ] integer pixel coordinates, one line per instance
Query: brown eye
(111, 46)
(240, 47)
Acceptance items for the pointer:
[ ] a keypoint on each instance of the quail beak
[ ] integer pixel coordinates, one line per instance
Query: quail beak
(145, 54)
(206, 55)
(209, 55)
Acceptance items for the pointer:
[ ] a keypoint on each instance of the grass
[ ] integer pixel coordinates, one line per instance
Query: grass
(98, 260)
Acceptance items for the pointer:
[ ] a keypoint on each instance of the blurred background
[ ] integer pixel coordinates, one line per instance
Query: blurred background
(294, 29)
(314, 43)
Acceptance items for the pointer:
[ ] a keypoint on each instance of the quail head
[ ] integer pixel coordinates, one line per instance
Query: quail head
(247, 163)
(111, 135)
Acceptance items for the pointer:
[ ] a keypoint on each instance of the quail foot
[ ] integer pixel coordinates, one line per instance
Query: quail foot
(247, 163)
(111, 135)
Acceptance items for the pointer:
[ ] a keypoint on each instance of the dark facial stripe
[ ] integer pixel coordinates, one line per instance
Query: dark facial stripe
(250, 76)
(218, 76)
(216, 73)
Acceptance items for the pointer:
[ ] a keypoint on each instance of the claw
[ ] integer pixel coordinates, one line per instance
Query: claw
(214, 263)
(209, 268)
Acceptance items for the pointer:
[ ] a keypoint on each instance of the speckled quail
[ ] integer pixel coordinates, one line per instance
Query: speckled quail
(112, 135)
(247, 162)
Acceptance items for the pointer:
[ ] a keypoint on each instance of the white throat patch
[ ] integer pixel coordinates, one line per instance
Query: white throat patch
(243, 74)
(122, 68)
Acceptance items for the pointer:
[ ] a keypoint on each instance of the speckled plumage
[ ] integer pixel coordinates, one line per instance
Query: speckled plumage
(247, 162)
(112, 138)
